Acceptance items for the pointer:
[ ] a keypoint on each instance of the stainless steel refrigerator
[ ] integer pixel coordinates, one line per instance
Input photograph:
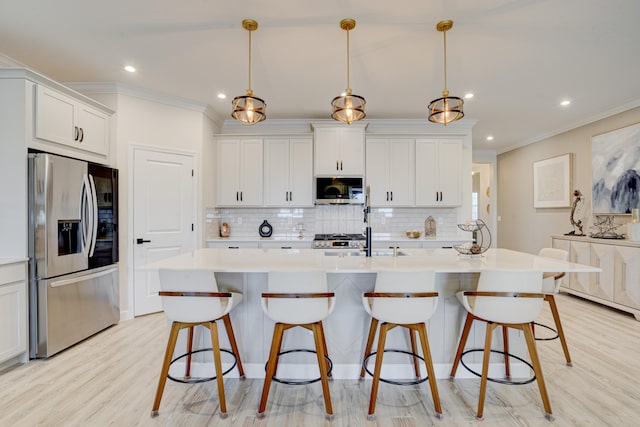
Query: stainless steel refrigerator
(73, 251)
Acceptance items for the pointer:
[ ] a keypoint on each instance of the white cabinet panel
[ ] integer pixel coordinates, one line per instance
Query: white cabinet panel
(627, 274)
(288, 172)
(601, 284)
(13, 310)
(438, 172)
(390, 171)
(239, 172)
(64, 120)
(580, 253)
(339, 150)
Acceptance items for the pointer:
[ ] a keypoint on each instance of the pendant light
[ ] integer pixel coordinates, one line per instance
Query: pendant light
(347, 107)
(249, 109)
(448, 108)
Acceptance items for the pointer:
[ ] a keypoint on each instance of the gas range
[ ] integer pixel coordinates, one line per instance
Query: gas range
(339, 241)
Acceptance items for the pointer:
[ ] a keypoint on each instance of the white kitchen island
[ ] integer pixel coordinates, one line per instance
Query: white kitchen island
(349, 276)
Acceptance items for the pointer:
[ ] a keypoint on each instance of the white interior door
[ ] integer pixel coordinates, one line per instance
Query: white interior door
(164, 218)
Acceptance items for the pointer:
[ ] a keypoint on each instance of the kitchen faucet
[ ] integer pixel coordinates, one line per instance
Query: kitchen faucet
(367, 212)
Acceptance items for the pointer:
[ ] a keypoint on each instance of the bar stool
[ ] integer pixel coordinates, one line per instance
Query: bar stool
(406, 299)
(550, 286)
(191, 298)
(289, 308)
(511, 299)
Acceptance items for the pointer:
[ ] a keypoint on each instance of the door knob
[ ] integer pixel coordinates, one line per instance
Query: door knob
(141, 241)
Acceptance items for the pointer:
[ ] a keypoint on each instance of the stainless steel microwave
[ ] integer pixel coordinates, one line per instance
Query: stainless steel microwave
(336, 191)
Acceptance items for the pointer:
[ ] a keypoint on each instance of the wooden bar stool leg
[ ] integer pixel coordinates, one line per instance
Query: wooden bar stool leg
(168, 355)
(414, 350)
(324, 348)
(232, 340)
(463, 341)
(187, 371)
(322, 365)
(556, 318)
(367, 349)
(505, 346)
(215, 344)
(276, 341)
(485, 368)
(428, 360)
(382, 337)
(537, 368)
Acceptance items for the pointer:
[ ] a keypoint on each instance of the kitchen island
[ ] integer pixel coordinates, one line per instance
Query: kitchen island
(349, 275)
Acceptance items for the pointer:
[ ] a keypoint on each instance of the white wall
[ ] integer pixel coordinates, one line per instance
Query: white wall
(142, 122)
(527, 229)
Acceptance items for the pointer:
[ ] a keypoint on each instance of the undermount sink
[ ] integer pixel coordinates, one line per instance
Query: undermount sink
(345, 253)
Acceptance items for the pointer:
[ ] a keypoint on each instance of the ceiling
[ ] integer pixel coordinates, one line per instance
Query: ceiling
(519, 57)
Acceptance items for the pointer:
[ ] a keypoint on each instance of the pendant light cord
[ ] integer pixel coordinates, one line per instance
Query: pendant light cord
(348, 68)
(250, 61)
(445, 61)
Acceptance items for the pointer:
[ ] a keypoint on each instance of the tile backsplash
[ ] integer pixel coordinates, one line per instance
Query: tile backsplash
(291, 222)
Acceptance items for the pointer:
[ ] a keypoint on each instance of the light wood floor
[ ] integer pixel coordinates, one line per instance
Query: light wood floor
(110, 380)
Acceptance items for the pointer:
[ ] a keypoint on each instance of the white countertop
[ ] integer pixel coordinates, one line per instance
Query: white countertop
(440, 260)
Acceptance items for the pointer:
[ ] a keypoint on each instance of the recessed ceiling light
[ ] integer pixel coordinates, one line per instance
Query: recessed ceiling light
(565, 102)
(490, 138)
(222, 95)
(130, 68)
(468, 95)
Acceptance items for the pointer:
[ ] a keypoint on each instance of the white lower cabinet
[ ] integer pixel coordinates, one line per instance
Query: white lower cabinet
(13, 310)
(618, 285)
(232, 244)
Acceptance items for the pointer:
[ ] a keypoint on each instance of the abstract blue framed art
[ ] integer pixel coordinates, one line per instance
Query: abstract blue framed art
(615, 171)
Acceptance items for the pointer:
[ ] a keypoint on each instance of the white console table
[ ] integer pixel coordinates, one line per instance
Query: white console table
(618, 284)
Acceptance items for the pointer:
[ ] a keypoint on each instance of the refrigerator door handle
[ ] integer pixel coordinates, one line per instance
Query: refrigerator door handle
(86, 215)
(94, 216)
(75, 280)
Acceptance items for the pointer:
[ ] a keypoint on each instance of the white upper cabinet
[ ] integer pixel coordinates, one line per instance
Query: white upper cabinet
(390, 171)
(62, 119)
(239, 172)
(288, 172)
(339, 150)
(438, 172)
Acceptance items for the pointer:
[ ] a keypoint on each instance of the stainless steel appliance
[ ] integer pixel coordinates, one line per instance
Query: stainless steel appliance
(339, 241)
(339, 190)
(73, 248)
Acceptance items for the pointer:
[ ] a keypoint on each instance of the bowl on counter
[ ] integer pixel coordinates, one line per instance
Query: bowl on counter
(413, 234)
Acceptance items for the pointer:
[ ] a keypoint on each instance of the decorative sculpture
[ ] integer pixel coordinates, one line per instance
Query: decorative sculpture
(576, 212)
(606, 228)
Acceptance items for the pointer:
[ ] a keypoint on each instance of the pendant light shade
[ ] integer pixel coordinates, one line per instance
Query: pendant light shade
(249, 109)
(446, 109)
(348, 108)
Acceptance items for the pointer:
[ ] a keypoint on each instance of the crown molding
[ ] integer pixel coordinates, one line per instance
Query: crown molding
(118, 88)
